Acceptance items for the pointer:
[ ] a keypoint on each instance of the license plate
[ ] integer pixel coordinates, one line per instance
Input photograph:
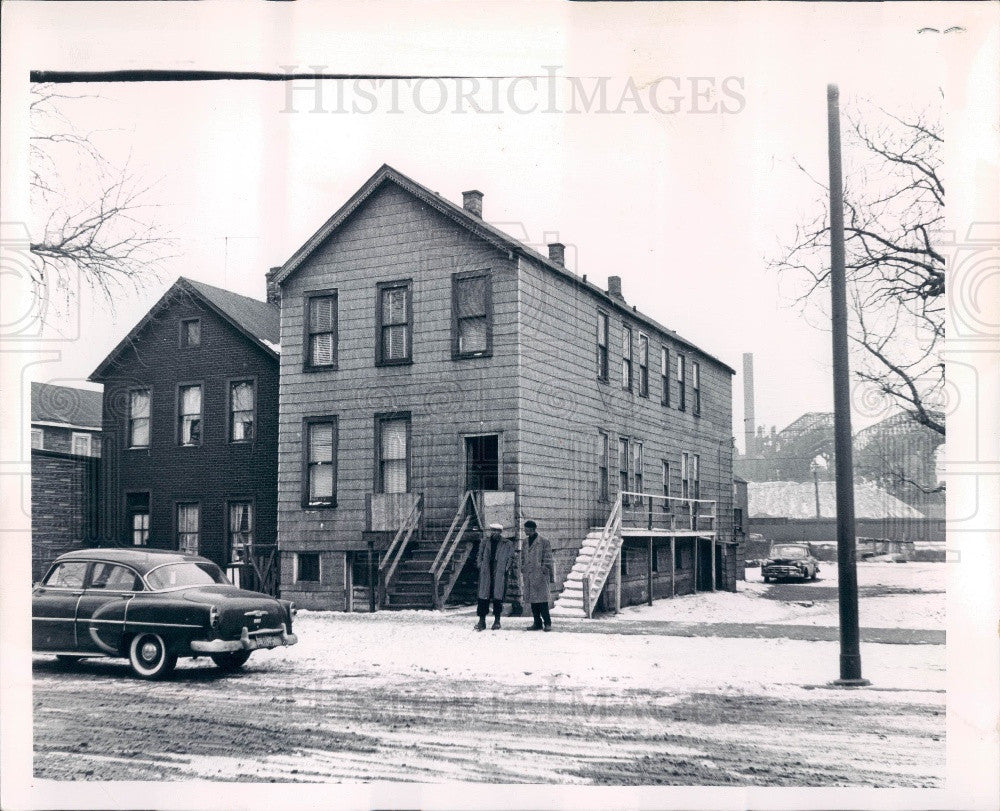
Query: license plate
(265, 641)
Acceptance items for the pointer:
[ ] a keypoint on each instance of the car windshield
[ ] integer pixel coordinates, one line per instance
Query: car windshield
(189, 573)
(788, 552)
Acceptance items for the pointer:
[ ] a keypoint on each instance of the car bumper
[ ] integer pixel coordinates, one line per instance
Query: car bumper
(259, 640)
(784, 571)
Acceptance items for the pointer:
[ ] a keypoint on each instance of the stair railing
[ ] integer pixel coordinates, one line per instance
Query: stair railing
(394, 552)
(452, 539)
(599, 567)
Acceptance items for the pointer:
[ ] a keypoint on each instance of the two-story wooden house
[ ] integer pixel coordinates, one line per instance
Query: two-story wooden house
(437, 374)
(190, 430)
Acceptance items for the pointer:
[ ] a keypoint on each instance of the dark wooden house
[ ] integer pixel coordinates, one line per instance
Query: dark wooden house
(438, 375)
(190, 431)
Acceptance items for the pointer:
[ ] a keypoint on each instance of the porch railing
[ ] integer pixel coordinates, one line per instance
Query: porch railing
(459, 524)
(394, 552)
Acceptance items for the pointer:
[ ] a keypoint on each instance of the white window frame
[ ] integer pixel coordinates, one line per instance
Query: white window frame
(40, 433)
(74, 436)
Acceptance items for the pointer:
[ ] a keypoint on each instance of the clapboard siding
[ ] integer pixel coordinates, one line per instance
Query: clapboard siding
(391, 237)
(563, 406)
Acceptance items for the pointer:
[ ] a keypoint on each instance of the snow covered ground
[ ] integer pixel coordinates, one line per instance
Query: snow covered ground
(892, 595)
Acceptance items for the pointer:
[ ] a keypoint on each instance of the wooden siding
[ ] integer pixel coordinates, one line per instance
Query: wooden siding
(391, 237)
(562, 405)
(212, 473)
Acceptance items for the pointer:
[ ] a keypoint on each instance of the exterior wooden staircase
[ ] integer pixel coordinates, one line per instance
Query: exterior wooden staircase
(593, 564)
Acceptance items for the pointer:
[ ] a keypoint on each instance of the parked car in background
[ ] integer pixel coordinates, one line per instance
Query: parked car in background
(790, 560)
(151, 607)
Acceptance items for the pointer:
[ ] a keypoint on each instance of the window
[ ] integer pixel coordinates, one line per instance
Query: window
(602, 346)
(241, 410)
(138, 418)
(665, 376)
(627, 358)
(393, 456)
(637, 467)
(656, 559)
(321, 331)
(681, 381)
(320, 462)
(307, 567)
(665, 472)
(37, 439)
(471, 314)
(695, 476)
(190, 332)
(685, 481)
(137, 517)
(67, 575)
(188, 527)
(603, 442)
(696, 388)
(189, 414)
(240, 531)
(623, 468)
(80, 444)
(643, 365)
(737, 520)
(109, 577)
(394, 326)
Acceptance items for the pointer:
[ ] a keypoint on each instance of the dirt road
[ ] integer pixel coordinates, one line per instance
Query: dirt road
(420, 697)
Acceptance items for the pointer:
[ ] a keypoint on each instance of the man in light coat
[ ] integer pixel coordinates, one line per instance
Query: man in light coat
(537, 570)
(494, 561)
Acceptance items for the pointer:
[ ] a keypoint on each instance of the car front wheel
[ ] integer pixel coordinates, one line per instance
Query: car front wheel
(149, 657)
(229, 662)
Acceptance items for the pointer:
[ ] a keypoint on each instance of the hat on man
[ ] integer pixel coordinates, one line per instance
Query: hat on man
(497, 527)
(529, 524)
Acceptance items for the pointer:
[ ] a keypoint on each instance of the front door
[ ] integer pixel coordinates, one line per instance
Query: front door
(53, 607)
(482, 462)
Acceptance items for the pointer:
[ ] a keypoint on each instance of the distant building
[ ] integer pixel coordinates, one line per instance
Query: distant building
(436, 371)
(65, 446)
(190, 431)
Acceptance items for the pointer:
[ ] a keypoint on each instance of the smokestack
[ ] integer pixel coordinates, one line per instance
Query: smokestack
(615, 287)
(472, 201)
(273, 291)
(557, 253)
(749, 419)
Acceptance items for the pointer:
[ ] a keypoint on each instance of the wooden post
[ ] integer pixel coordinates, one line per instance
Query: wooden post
(587, 607)
(649, 567)
(697, 549)
(618, 581)
(713, 563)
(673, 566)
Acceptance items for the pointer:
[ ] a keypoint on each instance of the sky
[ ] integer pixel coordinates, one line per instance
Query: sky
(687, 206)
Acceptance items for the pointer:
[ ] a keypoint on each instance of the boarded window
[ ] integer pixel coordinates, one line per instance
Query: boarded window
(138, 419)
(188, 528)
(322, 331)
(393, 455)
(394, 328)
(321, 462)
(189, 415)
(307, 567)
(240, 531)
(241, 410)
(471, 315)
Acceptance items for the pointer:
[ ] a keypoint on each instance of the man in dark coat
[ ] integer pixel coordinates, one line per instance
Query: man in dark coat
(538, 572)
(494, 561)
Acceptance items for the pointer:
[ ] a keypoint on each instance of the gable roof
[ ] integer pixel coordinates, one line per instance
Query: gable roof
(80, 408)
(491, 234)
(258, 320)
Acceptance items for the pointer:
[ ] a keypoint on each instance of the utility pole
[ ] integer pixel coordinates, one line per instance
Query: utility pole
(850, 649)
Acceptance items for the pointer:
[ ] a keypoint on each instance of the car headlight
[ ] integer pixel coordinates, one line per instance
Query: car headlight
(214, 618)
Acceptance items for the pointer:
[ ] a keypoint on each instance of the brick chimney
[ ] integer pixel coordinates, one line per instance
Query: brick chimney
(615, 287)
(273, 291)
(557, 253)
(472, 201)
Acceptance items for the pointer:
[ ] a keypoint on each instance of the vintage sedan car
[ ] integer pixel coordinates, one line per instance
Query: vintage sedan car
(152, 606)
(790, 560)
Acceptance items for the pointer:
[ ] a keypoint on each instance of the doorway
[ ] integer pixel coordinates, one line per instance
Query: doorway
(482, 462)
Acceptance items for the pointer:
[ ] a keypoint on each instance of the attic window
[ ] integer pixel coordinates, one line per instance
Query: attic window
(190, 332)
